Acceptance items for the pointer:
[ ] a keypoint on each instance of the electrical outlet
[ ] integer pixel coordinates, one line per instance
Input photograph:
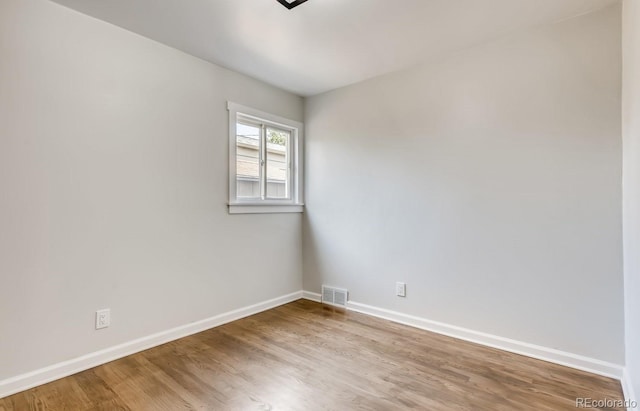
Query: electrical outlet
(103, 318)
(401, 289)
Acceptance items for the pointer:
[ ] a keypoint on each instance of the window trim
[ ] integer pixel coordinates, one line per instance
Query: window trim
(295, 203)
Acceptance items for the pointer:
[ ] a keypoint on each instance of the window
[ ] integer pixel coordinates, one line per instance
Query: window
(265, 162)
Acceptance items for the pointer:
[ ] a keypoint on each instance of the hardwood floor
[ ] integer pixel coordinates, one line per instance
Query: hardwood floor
(305, 356)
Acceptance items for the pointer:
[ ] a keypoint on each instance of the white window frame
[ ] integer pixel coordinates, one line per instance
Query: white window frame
(293, 204)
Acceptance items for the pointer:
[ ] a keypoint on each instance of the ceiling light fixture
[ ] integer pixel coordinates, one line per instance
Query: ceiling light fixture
(291, 3)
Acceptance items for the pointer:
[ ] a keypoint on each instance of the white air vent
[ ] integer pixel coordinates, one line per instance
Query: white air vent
(334, 296)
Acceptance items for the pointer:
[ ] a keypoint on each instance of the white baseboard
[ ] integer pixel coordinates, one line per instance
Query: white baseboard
(627, 389)
(308, 295)
(63, 369)
(580, 362)
(53, 372)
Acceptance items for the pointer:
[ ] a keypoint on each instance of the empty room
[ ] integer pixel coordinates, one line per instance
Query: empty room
(319, 205)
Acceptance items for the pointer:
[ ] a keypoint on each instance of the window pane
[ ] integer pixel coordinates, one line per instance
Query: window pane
(277, 163)
(247, 161)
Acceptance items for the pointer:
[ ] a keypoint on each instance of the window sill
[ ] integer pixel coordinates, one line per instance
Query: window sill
(253, 208)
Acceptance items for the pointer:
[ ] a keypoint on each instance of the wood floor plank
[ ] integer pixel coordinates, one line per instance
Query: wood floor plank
(306, 356)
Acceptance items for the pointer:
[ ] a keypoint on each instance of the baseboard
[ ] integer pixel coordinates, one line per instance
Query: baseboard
(627, 389)
(308, 295)
(580, 362)
(63, 369)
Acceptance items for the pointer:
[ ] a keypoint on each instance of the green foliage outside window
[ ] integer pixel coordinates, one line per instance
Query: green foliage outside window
(277, 137)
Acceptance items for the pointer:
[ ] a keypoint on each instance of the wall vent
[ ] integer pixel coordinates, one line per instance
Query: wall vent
(334, 296)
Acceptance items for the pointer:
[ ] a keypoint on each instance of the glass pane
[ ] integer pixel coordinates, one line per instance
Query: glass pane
(247, 161)
(277, 163)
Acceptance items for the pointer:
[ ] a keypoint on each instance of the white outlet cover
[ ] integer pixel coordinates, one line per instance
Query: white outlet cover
(103, 318)
(401, 289)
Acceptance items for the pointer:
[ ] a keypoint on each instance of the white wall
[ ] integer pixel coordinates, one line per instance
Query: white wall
(631, 187)
(113, 189)
(488, 181)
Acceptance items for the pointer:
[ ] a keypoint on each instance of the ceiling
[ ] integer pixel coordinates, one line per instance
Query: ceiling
(325, 44)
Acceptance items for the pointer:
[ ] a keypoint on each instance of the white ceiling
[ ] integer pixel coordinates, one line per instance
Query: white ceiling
(325, 44)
